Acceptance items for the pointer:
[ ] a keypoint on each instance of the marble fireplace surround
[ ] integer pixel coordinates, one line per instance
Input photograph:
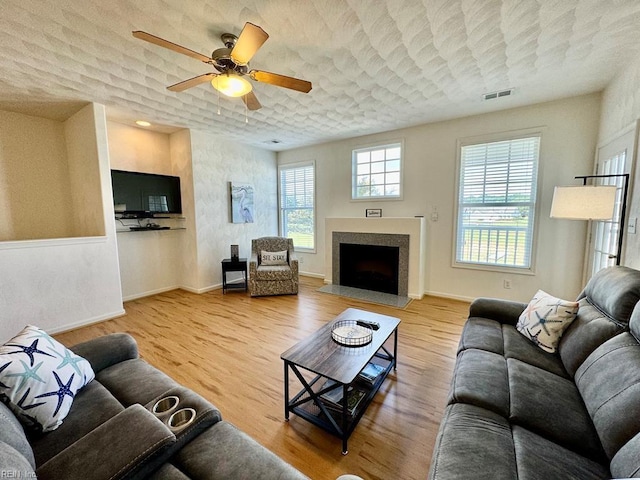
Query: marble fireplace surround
(408, 233)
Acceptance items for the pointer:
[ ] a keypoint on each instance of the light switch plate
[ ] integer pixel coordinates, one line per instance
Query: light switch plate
(631, 228)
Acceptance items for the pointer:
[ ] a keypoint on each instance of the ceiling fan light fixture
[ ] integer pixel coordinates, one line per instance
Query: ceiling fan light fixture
(231, 85)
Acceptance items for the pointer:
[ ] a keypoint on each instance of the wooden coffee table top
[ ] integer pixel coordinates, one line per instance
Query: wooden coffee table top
(320, 354)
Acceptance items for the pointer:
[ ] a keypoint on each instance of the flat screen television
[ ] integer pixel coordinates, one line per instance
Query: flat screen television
(142, 194)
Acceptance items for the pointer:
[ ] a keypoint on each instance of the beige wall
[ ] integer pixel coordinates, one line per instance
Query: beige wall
(59, 284)
(156, 261)
(569, 131)
(35, 198)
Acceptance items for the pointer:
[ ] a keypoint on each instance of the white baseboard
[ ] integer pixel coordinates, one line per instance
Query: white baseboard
(452, 297)
(150, 292)
(217, 286)
(84, 323)
(311, 274)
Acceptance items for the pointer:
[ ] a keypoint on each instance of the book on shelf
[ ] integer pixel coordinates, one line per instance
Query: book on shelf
(370, 373)
(333, 399)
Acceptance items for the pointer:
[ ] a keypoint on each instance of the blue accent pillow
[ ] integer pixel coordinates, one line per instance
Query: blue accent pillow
(39, 378)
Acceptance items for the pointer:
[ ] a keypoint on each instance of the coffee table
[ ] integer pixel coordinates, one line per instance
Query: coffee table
(338, 367)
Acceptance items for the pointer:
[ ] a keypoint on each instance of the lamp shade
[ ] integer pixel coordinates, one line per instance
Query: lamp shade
(231, 84)
(584, 202)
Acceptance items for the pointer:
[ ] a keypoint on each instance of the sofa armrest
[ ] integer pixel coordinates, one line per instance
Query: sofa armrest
(503, 311)
(102, 352)
(293, 263)
(253, 263)
(128, 445)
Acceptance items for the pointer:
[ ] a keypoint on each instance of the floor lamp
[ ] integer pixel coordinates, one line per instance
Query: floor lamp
(591, 202)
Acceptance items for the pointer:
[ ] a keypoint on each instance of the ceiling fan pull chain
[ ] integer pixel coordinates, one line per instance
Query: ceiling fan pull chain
(218, 101)
(246, 113)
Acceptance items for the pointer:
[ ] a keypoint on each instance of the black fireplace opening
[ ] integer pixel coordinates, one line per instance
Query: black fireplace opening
(370, 267)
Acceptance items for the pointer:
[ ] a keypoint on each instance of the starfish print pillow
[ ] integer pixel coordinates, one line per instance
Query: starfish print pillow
(39, 378)
(545, 319)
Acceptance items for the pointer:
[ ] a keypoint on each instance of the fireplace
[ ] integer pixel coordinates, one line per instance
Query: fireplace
(370, 267)
(371, 261)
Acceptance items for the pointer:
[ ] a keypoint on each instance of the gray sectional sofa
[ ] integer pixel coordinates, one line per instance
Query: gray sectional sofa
(133, 421)
(517, 412)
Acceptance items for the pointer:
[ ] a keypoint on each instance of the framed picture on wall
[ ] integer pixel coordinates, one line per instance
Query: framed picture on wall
(241, 202)
(373, 212)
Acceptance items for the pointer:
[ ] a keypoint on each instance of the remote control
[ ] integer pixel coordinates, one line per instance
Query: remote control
(365, 323)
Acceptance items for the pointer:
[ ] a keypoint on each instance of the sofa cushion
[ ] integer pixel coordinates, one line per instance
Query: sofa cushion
(149, 381)
(606, 304)
(473, 443)
(92, 406)
(275, 272)
(610, 386)
(13, 464)
(545, 319)
(12, 433)
(480, 378)
(504, 339)
(483, 334)
(223, 452)
(615, 290)
(626, 462)
(551, 406)
(539, 458)
(39, 378)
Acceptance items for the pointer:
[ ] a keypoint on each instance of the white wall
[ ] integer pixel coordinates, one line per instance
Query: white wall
(61, 283)
(567, 149)
(216, 162)
(150, 261)
(156, 261)
(620, 111)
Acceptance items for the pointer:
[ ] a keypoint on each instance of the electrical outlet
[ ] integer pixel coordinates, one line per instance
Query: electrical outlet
(300, 259)
(506, 283)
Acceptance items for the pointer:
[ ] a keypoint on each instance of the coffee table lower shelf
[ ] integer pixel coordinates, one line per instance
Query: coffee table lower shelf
(309, 405)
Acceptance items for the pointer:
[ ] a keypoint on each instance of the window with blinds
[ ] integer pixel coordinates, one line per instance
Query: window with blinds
(297, 204)
(496, 203)
(376, 172)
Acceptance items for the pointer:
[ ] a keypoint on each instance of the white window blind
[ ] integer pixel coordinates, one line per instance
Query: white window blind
(297, 204)
(496, 203)
(376, 172)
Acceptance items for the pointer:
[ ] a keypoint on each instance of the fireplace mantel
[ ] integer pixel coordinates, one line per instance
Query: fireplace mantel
(412, 226)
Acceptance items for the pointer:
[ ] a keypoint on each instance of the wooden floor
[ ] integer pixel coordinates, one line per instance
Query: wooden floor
(227, 348)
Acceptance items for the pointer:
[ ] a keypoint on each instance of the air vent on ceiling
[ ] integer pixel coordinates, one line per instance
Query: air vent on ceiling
(500, 94)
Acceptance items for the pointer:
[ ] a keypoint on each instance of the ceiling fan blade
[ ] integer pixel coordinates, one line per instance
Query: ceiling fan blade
(251, 101)
(192, 82)
(147, 37)
(250, 40)
(281, 81)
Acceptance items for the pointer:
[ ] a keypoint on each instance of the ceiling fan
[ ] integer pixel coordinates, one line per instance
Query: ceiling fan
(232, 65)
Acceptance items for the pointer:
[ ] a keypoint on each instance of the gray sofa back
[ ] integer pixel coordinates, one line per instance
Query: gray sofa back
(16, 455)
(606, 305)
(609, 382)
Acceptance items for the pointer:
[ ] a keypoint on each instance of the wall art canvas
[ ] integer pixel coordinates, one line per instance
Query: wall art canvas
(241, 202)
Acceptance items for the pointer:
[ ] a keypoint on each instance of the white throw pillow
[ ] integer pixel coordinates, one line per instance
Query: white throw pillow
(39, 378)
(545, 319)
(273, 258)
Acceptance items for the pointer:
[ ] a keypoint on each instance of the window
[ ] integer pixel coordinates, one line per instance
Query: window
(496, 203)
(376, 172)
(297, 204)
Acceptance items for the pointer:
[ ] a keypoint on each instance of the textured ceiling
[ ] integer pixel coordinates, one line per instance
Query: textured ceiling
(375, 65)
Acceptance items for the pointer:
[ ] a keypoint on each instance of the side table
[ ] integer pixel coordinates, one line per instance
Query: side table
(229, 265)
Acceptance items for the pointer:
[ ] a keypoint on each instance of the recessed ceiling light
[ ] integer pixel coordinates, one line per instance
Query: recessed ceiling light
(143, 123)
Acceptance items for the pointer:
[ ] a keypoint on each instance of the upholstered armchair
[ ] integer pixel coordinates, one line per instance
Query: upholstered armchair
(273, 267)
